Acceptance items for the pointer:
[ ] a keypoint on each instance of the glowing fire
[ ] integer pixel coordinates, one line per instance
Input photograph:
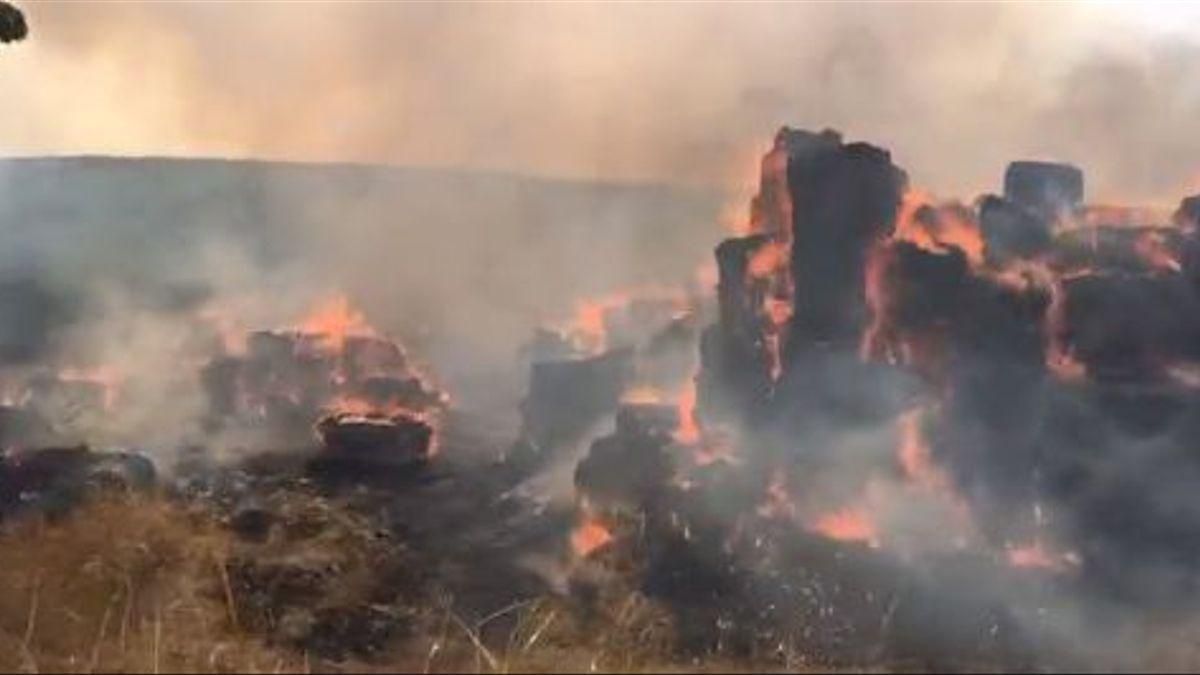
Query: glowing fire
(877, 339)
(768, 260)
(688, 432)
(937, 227)
(851, 524)
(769, 268)
(1038, 556)
(106, 377)
(334, 320)
(915, 458)
(363, 407)
(923, 472)
(643, 395)
(1059, 358)
(590, 535)
(589, 326)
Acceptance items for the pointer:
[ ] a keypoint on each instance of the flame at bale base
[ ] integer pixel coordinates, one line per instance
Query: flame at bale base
(852, 524)
(590, 536)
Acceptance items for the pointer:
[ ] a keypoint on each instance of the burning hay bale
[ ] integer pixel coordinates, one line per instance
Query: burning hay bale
(630, 467)
(1187, 216)
(397, 441)
(566, 397)
(643, 339)
(1130, 327)
(358, 390)
(1046, 189)
(1003, 340)
(1010, 231)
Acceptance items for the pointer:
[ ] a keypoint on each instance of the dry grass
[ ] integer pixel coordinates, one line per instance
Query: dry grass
(143, 584)
(128, 584)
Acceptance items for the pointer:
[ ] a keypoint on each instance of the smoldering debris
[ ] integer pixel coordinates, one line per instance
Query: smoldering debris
(975, 401)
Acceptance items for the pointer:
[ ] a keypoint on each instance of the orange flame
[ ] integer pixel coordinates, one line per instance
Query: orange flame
(588, 324)
(688, 432)
(590, 536)
(915, 458)
(768, 260)
(936, 227)
(769, 271)
(643, 395)
(851, 524)
(1038, 556)
(917, 462)
(1059, 358)
(588, 327)
(334, 320)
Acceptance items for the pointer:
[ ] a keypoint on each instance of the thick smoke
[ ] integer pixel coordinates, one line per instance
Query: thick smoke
(655, 91)
(143, 267)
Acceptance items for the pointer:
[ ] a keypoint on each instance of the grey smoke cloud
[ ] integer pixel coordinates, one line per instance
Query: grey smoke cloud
(675, 92)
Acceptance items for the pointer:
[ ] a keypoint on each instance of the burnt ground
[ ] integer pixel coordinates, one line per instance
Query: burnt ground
(484, 548)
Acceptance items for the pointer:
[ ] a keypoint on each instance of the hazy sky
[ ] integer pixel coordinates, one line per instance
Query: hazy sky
(674, 92)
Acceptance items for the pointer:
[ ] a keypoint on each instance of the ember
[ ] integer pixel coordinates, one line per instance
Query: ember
(851, 524)
(590, 536)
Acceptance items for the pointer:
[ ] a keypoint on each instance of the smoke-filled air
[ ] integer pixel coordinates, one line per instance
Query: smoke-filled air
(566, 337)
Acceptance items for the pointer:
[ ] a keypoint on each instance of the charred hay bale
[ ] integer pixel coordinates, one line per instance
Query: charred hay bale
(637, 321)
(841, 198)
(844, 196)
(567, 397)
(364, 356)
(1125, 327)
(1011, 231)
(53, 481)
(635, 420)
(271, 347)
(385, 391)
(1131, 250)
(735, 375)
(629, 468)
(669, 356)
(288, 365)
(397, 441)
(1046, 188)
(1187, 216)
(547, 345)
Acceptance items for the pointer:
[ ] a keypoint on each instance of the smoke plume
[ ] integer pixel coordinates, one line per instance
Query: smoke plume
(675, 93)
